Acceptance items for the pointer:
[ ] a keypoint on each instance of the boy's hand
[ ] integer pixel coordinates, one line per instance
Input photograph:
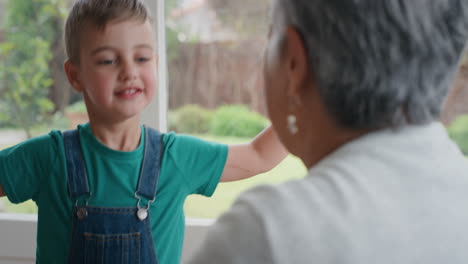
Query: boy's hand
(1, 191)
(262, 154)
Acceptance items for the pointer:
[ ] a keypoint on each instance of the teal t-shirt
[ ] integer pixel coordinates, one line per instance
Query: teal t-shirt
(36, 169)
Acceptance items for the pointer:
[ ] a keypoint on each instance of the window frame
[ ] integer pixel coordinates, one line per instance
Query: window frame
(18, 240)
(155, 114)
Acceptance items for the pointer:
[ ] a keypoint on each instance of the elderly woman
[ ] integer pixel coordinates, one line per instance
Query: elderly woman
(355, 88)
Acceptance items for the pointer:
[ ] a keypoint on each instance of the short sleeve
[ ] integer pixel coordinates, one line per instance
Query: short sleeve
(200, 162)
(22, 166)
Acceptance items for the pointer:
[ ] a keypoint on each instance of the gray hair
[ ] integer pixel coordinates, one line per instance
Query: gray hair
(380, 63)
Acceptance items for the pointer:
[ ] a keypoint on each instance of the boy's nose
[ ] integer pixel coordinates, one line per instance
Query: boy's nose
(128, 72)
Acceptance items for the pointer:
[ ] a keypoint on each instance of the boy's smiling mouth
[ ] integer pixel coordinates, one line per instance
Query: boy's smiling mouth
(128, 93)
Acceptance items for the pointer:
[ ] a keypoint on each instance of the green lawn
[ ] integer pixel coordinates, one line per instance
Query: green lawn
(226, 193)
(202, 207)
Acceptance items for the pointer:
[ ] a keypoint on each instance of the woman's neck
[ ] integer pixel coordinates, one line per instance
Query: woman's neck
(322, 145)
(320, 135)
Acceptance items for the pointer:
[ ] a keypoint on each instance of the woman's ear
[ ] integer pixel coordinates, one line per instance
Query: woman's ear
(72, 74)
(297, 61)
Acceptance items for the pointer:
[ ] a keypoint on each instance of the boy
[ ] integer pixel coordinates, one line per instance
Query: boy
(94, 207)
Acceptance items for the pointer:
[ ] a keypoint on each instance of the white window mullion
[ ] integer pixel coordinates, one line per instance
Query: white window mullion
(155, 114)
(163, 96)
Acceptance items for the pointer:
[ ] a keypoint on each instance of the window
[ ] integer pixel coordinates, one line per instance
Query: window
(214, 62)
(33, 90)
(214, 76)
(214, 52)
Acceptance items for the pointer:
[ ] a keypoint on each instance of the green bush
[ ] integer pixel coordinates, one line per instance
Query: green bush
(458, 131)
(190, 119)
(238, 121)
(172, 120)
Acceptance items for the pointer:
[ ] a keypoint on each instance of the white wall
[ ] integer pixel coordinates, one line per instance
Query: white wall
(17, 238)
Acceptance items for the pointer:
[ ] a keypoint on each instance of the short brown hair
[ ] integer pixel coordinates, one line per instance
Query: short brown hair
(98, 13)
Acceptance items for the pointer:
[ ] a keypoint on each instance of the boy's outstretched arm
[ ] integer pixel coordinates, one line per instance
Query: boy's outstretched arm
(262, 154)
(1, 191)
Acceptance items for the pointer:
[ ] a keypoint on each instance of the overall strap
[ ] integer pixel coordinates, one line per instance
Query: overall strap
(77, 177)
(150, 167)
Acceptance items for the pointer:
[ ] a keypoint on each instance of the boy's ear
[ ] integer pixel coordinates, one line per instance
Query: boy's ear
(72, 75)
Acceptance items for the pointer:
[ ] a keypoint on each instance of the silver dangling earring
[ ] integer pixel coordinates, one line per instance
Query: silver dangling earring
(292, 127)
(294, 102)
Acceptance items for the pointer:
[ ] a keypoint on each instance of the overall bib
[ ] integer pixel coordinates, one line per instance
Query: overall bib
(108, 235)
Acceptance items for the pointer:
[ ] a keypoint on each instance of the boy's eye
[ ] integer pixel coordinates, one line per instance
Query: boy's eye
(106, 62)
(142, 59)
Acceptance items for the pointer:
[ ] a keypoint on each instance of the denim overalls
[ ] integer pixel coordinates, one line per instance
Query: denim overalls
(112, 235)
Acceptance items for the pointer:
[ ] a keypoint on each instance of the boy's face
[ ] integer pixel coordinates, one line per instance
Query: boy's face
(117, 70)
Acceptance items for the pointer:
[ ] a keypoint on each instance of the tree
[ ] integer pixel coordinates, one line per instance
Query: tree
(60, 92)
(30, 30)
